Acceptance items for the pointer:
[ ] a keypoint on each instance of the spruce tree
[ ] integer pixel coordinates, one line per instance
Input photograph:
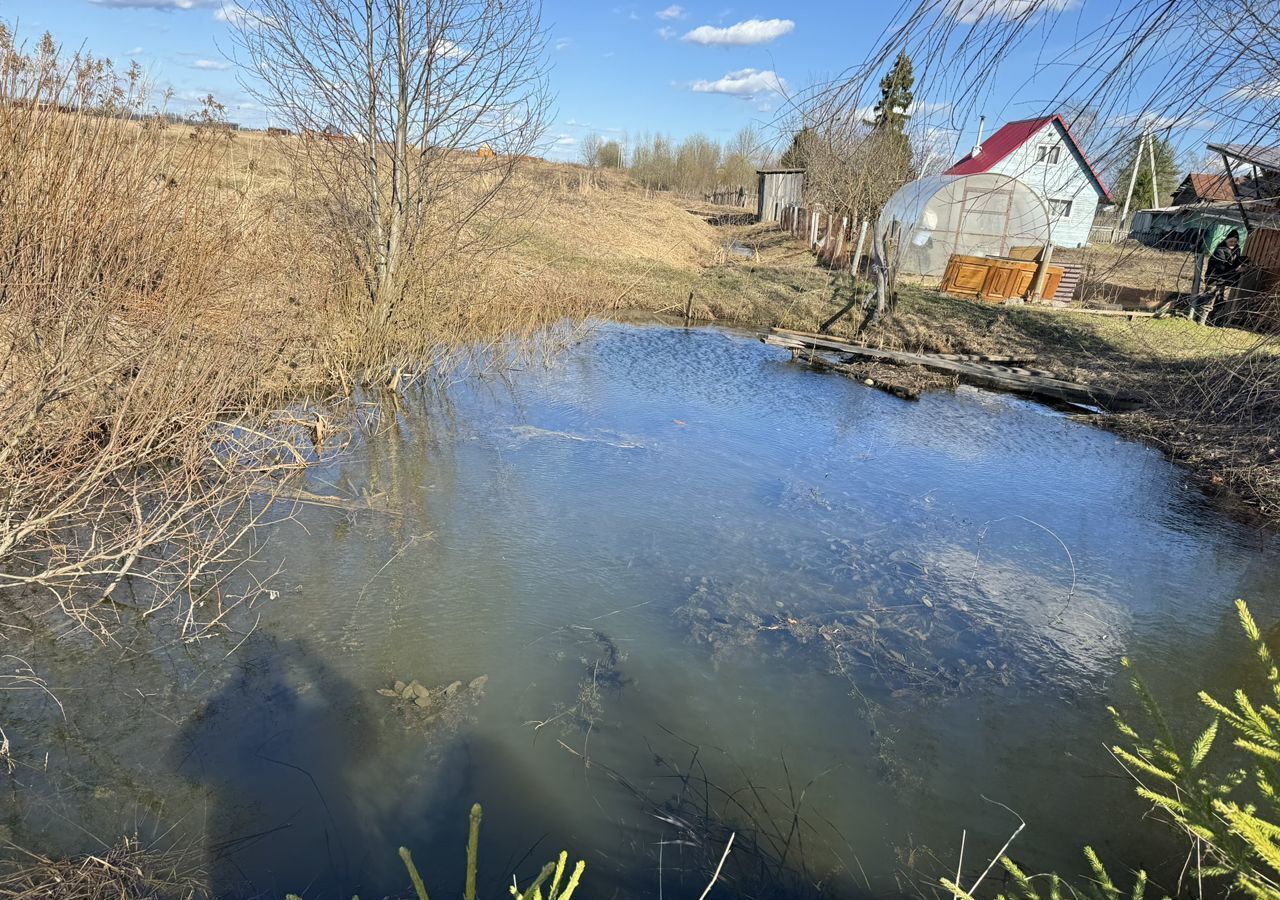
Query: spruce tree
(800, 153)
(895, 95)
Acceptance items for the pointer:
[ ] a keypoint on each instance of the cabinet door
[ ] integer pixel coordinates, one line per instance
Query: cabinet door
(1022, 279)
(965, 276)
(999, 283)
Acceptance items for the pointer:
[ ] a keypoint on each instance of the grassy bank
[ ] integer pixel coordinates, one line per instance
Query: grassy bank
(595, 243)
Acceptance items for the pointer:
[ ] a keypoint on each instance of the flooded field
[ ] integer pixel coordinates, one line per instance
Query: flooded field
(669, 588)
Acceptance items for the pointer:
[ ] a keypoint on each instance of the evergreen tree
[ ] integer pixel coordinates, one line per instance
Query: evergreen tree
(895, 95)
(1166, 174)
(801, 151)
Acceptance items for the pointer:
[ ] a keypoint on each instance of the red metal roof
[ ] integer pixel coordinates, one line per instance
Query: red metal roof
(1012, 136)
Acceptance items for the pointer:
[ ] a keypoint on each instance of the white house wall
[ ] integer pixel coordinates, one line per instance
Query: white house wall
(1067, 179)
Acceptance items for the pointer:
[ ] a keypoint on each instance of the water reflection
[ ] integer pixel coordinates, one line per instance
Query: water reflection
(921, 603)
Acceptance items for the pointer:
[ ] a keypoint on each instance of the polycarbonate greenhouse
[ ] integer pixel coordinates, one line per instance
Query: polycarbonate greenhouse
(976, 215)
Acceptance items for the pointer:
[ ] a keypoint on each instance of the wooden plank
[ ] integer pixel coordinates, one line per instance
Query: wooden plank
(959, 357)
(1127, 313)
(983, 374)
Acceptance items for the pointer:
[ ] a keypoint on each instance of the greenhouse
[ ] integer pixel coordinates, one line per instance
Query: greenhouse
(975, 215)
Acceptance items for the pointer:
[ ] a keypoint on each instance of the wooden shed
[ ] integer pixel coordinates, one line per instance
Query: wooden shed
(776, 190)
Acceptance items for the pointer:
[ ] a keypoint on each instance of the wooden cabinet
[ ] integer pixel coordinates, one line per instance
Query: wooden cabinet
(995, 279)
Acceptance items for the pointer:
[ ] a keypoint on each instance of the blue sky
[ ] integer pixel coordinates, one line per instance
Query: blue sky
(633, 67)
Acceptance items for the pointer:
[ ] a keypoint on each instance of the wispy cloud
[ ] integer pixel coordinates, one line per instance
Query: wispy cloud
(971, 11)
(563, 43)
(752, 31)
(666, 32)
(211, 65)
(745, 83)
(136, 51)
(671, 13)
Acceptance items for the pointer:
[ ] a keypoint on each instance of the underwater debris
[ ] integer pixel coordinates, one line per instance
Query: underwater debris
(922, 647)
(601, 673)
(446, 706)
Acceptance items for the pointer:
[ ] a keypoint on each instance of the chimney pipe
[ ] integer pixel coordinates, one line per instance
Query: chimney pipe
(977, 148)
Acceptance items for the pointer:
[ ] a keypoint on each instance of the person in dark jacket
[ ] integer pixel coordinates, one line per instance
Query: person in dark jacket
(1222, 274)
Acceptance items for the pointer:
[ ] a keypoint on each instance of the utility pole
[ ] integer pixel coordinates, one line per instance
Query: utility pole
(1155, 188)
(1133, 179)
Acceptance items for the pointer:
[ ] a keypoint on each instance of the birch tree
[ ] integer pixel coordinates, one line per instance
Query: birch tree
(412, 116)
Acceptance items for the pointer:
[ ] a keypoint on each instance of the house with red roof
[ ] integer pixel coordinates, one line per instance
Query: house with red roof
(1044, 155)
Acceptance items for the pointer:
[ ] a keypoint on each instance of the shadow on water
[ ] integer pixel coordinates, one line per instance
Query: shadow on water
(312, 784)
(277, 751)
(288, 752)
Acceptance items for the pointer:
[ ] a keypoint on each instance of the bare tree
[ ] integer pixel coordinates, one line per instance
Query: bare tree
(742, 156)
(590, 150)
(413, 115)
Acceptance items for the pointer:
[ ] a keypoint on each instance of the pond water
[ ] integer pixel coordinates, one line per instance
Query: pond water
(694, 574)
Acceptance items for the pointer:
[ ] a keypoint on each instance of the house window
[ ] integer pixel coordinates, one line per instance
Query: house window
(1060, 209)
(1048, 154)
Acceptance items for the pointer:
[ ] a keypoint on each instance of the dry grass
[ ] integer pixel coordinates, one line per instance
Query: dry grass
(1128, 274)
(125, 872)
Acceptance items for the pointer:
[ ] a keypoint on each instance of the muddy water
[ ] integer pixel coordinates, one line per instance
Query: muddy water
(912, 614)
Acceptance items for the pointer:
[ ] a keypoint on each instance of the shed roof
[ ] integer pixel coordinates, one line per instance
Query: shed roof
(1210, 186)
(1254, 154)
(779, 171)
(1013, 135)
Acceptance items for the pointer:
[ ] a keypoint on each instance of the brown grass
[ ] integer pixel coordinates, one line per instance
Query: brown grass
(125, 872)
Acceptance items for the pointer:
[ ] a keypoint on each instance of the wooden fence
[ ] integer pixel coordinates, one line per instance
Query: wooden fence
(838, 241)
(738, 197)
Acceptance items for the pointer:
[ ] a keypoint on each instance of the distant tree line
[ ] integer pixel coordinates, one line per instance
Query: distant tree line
(696, 165)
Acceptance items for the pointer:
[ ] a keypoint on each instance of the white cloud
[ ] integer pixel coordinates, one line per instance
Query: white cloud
(563, 43)
(211, 65)
(746, 83)
(752, 31)
(671, 13)
(136, 51)
(233, 14)
(449, 49)
(666, 32)
(971, 11)
(565, 140)
(157, 4)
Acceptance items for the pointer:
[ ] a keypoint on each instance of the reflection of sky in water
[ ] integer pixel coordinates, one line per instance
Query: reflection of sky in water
(648, 470)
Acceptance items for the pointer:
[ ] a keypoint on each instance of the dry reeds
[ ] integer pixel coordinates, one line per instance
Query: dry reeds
(128, 451)
(125, 872)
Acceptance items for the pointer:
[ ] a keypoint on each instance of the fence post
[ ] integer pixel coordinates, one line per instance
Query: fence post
(857, 254)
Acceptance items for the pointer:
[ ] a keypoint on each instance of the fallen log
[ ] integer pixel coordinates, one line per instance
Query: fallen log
(998, 377)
